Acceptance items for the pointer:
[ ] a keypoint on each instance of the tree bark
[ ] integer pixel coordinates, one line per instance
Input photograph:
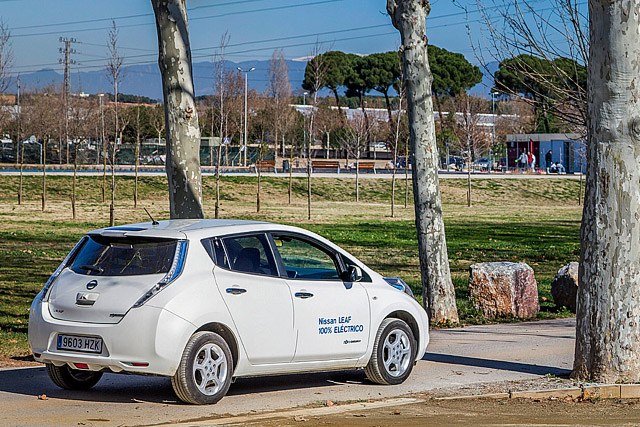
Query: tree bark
(182, 127)
(608, 309)
(137, 159)
(409, 17)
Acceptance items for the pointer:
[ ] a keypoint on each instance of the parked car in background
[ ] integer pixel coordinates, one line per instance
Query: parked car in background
(206, 301)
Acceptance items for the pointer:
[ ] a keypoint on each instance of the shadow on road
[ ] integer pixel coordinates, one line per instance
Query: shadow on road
(501, 365)
(122, 388)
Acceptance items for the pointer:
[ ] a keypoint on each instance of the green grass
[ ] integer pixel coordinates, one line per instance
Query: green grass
(512, 220)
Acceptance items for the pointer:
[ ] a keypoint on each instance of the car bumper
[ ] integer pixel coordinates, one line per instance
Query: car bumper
(148, 340)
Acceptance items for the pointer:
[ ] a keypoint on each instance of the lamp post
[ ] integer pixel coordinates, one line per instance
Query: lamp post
(246, 90)
(304, 98)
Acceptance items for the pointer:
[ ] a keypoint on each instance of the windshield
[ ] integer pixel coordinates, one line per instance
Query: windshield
(124, 256)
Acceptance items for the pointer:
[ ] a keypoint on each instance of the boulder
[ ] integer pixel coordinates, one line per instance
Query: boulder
(504, 289)
(564, 287)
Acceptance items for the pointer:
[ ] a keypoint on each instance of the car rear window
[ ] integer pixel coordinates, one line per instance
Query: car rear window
(124, 256)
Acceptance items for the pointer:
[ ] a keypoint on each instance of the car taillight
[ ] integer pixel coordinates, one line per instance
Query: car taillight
(174, 272)
(44, 294)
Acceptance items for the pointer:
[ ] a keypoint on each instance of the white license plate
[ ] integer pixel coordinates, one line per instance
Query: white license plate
(83, 344)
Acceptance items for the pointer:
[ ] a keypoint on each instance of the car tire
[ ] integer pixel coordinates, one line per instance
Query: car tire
(205, 371)
(394, 353)
(72, 379)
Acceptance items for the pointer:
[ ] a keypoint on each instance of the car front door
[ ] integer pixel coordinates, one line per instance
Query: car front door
(332, 317)
(258, 299)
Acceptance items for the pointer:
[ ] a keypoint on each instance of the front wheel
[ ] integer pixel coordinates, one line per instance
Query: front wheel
(72, 379)
(204, 374)
(394, 353)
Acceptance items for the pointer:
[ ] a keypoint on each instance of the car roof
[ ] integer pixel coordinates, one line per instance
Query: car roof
(191, 228)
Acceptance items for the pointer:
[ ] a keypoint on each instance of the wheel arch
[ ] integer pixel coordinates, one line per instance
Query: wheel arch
(227, 334)
(409, 319)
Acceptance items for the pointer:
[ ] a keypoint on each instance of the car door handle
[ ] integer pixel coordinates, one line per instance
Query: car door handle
(236, 291)
(303, 295)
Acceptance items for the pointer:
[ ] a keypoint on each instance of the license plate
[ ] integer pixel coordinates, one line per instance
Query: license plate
(83, 344)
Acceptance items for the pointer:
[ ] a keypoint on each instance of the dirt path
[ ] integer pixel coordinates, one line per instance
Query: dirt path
(478, 413)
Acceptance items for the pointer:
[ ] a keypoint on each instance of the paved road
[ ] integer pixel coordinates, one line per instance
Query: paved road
(380, 175)
(456, 357)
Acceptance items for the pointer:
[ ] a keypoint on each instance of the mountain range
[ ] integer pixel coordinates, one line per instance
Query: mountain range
(144, 80)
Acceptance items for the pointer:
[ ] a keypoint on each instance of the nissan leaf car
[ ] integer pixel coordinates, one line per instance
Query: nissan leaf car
(206, 301)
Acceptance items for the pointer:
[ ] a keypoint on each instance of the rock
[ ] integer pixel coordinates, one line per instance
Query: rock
(504, 289)
(564, 287)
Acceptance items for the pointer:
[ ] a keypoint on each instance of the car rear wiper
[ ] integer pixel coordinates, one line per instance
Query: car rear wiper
(92, 268)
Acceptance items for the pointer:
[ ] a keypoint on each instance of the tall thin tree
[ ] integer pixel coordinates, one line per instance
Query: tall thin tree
(114, 69)
(409, 18)
(221, 82)
(181, 116)
(608, 309)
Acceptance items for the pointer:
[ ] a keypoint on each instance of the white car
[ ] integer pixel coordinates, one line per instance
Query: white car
(207, 301)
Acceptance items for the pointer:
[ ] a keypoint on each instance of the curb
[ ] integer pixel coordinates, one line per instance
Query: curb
(300, 414)
(584, 392)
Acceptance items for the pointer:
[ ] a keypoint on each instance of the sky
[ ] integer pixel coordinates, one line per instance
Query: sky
(256, 28)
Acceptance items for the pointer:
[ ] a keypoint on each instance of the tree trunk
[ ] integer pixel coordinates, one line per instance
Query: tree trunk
(218, 160)
(409, 17)
(20, 183)
(44, 174)
(181, 117)
(137, 159)
(290, 171)
(74, 181)
(358, 173)
(406, 174)
(608, 309)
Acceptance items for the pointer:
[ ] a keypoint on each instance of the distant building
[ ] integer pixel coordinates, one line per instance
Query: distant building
(566, 148)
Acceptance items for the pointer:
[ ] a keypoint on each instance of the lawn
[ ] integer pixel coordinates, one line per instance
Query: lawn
(536, 221)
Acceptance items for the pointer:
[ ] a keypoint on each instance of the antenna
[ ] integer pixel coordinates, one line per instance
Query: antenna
(153, 221)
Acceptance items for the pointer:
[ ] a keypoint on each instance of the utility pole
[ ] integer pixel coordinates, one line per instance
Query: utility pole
(246, 90)
(67, 50)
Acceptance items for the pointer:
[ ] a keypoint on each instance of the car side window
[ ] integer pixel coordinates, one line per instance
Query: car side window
(215, 250)
(304, 260)
(249, 254)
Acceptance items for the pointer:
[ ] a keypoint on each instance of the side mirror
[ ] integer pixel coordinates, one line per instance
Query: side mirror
(353, 274)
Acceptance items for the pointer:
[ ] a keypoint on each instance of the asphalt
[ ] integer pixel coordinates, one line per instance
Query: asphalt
(456, 358)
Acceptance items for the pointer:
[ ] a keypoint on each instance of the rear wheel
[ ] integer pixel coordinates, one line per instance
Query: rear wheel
(205, 371)
(394, 353)
(72, 379)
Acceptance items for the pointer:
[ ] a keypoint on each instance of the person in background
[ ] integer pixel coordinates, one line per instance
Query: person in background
(523, 161)
(560, 168)
(548, 160)
(532, 163)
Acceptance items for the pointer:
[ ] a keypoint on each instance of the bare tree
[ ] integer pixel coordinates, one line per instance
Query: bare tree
(181, 116)
(317, 71)
(471, 137)
(608, 331)
(409, 17)
(543, 52)
(221, 82)
(279, 91)
(6, 57)
(396, 143)
(114, 70)
(136, 155)
(354, 142)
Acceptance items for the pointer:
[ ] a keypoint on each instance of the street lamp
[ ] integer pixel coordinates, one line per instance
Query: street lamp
(246, 89)
(304, 98)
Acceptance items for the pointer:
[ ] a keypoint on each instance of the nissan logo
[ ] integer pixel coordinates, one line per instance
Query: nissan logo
(92, 284)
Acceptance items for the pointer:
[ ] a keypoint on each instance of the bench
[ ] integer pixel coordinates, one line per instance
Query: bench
(325, 164)
(367, 166)
(266, 166)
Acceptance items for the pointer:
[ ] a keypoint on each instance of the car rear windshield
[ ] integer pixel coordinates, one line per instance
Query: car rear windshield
(124, 256)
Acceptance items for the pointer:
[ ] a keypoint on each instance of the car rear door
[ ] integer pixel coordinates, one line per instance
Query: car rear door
(258, 299)
(332, 317)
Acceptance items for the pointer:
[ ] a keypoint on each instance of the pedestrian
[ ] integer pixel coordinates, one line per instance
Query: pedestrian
(548, 159)
(532, 164)
(523, 161)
